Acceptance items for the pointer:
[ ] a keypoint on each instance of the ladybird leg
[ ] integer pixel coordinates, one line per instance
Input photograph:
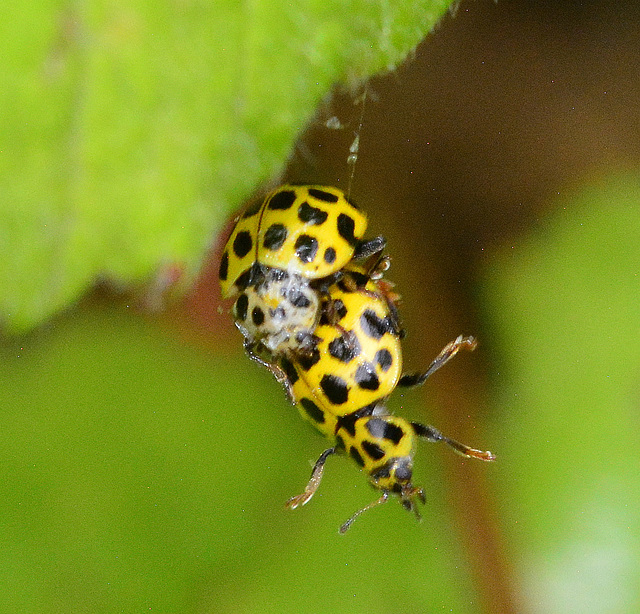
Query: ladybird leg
(392, 299)
(379, 266)
(432, 434)
(383, 499)
(350, 338)
(407, 498)
(374, 268)
(447, 353)
(376, 265)
(312, 484)
(276, 371)
(330, 310)
(364, 249)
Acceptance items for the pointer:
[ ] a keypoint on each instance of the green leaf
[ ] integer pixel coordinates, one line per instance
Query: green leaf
(131, 130)
(142, 474)
(566, 313)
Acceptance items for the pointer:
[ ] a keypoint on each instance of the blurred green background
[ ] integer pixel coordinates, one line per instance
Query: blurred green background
(146, 461)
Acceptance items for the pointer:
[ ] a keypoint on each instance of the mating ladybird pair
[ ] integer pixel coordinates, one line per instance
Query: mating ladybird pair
(328, 329)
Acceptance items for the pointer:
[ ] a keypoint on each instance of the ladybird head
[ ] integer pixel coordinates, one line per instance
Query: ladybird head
(383, 446)
(395, 477)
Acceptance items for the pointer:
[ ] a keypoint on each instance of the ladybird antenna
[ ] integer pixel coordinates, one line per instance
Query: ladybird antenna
(383, 499)
(354, 148)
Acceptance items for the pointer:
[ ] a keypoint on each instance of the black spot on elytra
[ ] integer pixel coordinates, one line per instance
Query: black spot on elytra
(242, 244)
(355, 455)
(332, 308)
(309, 359)
(312, 410)
(275, 236)
(348, 423)
(383, 472)
(311, 215)
(244, 279)
(252, 209)
(299, 299)
(340, 308)
(360, 279)
(346, 228)
(305, 338)
(241, 307)
(372, 450)
(345, 347)
(381, 429)
(282, 200)
(384, 358)
(373, 325)
(329, 255)
(257, 316)
(306, 248)
(366, 377)
(335, 389)
(289, 370)
(252, 276)
(223, 271)
(327, 197)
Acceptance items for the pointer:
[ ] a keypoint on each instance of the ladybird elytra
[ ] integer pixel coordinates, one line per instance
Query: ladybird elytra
(309, 230)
